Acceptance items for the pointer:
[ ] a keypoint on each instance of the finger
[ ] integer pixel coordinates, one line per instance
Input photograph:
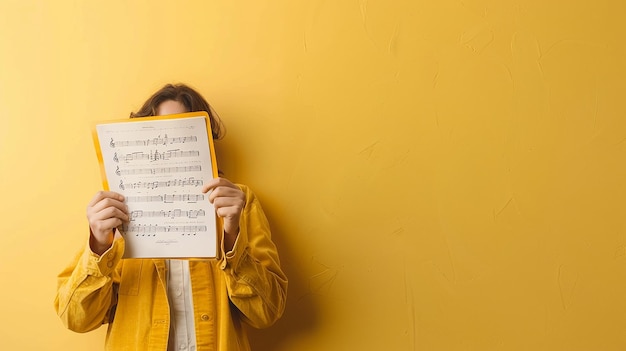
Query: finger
(229, 205)
(225, 192)
(106, 225)
(100, 195)
(108, 202)
(217, 182)
(109, 212)
(227, 212)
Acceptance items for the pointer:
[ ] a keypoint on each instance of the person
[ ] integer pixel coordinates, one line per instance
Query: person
(158, 304)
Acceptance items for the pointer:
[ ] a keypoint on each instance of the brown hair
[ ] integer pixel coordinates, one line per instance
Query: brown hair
(191, 99)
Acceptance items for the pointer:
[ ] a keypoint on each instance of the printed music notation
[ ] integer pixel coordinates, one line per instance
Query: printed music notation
(153, 141)
(162, 184)
(155, 155)
(136, 171)
(171, 213)
(189, 198)
(139, 229)
(160, 166)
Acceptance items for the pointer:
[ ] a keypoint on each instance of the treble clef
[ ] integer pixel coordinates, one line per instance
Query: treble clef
(117, 171)
(122, 185)
(112, 143)
(115, 158)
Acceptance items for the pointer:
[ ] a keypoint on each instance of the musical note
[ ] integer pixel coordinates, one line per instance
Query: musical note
(154, 141)
(189, 198)
(138, 171)
(157, 156)
(176, 213)
(183, 182)
(152, 229)
(145, 198)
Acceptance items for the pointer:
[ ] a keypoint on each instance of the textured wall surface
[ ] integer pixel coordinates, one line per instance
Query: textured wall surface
(439, 175)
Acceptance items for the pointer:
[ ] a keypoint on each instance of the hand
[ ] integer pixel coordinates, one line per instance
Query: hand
(105, 212)
(229, 201)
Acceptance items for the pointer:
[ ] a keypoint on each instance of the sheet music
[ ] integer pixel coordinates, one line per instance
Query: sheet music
(160, 167)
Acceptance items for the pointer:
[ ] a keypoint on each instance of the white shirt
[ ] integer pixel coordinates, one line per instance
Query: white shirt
(182, 327)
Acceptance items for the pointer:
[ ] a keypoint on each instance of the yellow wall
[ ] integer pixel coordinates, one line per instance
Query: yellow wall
(439, 175)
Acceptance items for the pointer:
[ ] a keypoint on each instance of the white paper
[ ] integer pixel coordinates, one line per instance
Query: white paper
(160, 167)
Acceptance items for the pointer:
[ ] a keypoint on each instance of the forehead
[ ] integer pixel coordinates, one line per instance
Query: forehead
(170, 107)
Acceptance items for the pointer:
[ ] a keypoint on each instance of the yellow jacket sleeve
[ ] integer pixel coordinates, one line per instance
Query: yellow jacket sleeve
(86, 294)
(255, 282)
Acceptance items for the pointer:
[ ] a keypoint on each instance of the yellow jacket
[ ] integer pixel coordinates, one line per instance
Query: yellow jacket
(246, 285)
